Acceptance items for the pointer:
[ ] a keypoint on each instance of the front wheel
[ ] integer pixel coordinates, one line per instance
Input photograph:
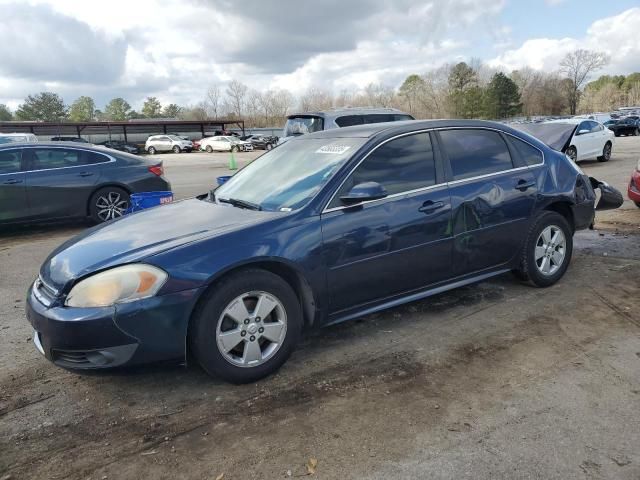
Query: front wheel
(246, 327)
(151, 151)
(636, 132)
(209, 149)
(268, 146)
(547, 250)
(234, 148)
(572, 153)
(606, 153)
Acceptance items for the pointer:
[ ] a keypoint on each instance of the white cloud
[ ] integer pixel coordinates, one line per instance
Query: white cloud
(616, 35)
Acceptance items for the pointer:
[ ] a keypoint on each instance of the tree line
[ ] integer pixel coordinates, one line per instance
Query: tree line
(461, 90)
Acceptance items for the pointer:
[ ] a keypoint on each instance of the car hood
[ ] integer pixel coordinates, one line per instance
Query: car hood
(138, 236)
(556, 135)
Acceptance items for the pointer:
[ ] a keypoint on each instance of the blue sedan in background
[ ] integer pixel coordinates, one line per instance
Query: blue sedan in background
(327, 227)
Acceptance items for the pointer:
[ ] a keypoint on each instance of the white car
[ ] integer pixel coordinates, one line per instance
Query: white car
(167, 143)
(590, 140)
(18, 138)
(225, 144)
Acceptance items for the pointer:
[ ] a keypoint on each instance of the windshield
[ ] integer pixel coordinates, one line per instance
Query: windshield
(289, 176)
(301, 125)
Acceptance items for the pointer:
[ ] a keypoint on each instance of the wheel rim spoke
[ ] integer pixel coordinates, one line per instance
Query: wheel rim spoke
(546, 235)
(252, 353)
(273, 331)
(540, 251)
(230, 340)
(238, 311)
(557, 258)
(264, 307)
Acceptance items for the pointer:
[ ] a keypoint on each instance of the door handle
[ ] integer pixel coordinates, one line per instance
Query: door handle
(523, 185)
(13, 181)
(430, 206)
(85, 174)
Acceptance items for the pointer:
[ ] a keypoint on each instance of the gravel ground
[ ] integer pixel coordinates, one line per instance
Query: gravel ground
(495, 380)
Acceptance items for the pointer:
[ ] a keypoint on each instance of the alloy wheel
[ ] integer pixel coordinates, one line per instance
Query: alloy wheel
(111, 205)
(550, 251)
(572, 153)
(607, 152)
(251, 329)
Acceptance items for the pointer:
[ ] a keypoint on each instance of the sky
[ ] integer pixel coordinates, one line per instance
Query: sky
(176, 49)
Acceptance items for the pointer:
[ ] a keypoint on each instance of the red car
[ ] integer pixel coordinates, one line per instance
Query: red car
(634, 186)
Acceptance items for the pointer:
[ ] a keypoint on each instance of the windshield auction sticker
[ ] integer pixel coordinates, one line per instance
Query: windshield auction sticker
(335, 149)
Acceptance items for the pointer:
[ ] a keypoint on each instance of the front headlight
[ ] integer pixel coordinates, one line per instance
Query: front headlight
(117, 285)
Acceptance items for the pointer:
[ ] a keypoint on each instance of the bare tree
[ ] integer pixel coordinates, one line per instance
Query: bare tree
(316, 99)
(213, 100)
(577, 66)
(236, 93)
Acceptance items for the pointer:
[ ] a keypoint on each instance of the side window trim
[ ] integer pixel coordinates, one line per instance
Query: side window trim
(440, 180)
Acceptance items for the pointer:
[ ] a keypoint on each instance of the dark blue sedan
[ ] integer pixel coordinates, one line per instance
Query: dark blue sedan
(325, 228)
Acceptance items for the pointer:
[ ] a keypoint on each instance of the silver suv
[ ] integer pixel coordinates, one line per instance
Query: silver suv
(167, 143)
(309, 122)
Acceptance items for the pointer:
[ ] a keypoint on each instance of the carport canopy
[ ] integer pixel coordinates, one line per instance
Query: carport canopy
(120, 128)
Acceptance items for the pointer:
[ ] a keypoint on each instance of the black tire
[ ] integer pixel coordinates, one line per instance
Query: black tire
(204, 323)
(268, 146)
(102, 198)
(637, 204)
(234, 148)
(617, 134)
(572, 153)
(606, 153)
(151, 150)
(209, 149)
(528, 269)
(176, 149)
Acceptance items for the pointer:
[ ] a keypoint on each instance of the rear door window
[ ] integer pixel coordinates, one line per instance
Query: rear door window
(528, 153)
(473, 153)
(9, 161)
(349, 120)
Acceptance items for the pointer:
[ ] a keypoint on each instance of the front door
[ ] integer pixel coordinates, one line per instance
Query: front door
(396, 244)
(13, 192)
(491, 199)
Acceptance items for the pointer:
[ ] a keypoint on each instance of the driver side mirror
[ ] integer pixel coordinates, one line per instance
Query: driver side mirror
(363, 192)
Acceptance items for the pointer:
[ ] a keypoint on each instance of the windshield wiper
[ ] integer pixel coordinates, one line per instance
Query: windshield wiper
(236, 202)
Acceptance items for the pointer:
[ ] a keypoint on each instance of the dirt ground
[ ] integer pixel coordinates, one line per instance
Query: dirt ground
(494, 380)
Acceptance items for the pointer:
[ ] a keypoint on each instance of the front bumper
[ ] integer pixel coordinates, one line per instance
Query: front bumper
(144, 331)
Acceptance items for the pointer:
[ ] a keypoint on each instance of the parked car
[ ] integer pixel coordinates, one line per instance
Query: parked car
(167, 143)
(579, 139)
(263, 142)
(310, 122)
(325, 228)
(69, 139)
(179, 135)
(225, 144)
(633, 192)
(121, 146)
(54, 180)
(18, 138)
(625, 126)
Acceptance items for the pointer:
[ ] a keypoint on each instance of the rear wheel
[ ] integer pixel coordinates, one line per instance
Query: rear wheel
(246, 327)
(209, 148)
(151, 151)
(108, 203)
(176, 149)
(606, 153)
(547, 250)
(572, 153)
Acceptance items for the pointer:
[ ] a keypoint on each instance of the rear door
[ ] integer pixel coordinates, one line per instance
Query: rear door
(61, 180)
(491, 198)
(164, 144)
(13, 192)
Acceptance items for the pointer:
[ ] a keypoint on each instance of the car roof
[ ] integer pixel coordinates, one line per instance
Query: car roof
(394, 128)
(339, 112)
(72, 145)
(572, 121)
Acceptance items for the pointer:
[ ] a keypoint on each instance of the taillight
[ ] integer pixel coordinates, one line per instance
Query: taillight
(157, 170)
